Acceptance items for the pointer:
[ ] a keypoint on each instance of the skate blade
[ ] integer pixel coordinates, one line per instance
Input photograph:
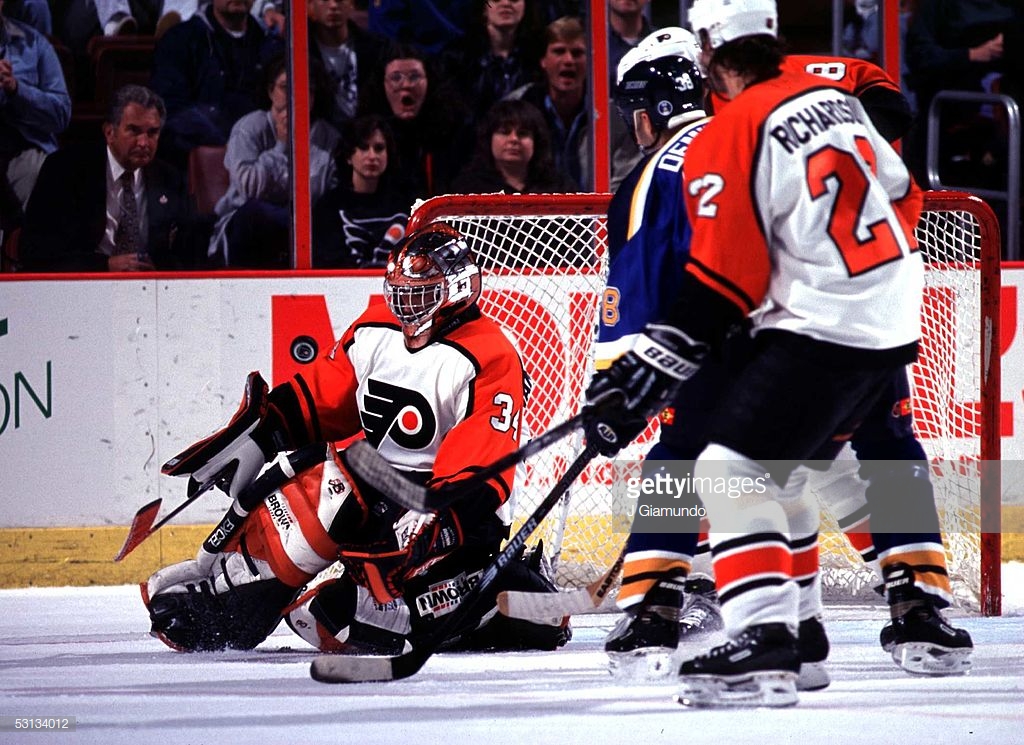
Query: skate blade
(921, 658)
(642, 665)
(691, 633)
(813, 677)
(775, 689)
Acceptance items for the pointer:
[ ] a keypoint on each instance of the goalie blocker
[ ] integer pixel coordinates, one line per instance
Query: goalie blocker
(399, 573)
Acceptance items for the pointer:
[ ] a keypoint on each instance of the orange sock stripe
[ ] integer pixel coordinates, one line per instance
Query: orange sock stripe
(924, 564)
(738, 565)
(805, 562)
(652, 566)
(915, 558)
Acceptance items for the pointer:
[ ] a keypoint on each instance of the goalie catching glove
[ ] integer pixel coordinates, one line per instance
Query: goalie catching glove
(639, 384)
(232, 457)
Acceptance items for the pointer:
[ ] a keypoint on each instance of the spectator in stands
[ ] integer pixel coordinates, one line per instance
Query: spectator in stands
(273, 16)
(210, 71)
(498, 53)
(254, 216)
(34, 109)
(513, 154)
(561, 98)
(111, 207)
(429, 25)
(357, 223)
(861, 37)
(348, 54)
(861, 30)
(78, 21)
(966, 46)
(429, 121)
(36, 13)
(626, 27)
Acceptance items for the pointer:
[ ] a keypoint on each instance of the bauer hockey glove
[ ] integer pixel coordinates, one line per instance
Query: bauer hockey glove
(639, 384)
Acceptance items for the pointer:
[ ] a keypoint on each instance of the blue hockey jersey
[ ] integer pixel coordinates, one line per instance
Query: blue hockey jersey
(648, 243)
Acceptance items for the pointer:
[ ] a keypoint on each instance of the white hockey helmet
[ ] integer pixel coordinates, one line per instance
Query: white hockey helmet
(431, 277)
(725, 20)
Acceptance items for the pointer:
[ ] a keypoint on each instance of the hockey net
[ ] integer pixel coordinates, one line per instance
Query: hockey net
(544, 259)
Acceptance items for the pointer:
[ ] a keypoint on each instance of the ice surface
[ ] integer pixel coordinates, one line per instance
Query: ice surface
(85, 652)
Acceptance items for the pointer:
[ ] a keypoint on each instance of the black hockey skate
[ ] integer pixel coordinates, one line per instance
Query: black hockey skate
(758, 668)
(919, 639)
(701, 614)
(641, 645)
(812, 642)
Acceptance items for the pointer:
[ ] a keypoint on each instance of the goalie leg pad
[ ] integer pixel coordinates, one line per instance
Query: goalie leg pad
(199, 617)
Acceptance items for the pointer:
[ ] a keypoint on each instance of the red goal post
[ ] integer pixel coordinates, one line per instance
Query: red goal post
(544, 258)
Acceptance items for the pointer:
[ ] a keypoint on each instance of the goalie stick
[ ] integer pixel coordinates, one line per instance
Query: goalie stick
(367, 463)
(367, 668)
(250, 412)
(274, 477)
(543, 606)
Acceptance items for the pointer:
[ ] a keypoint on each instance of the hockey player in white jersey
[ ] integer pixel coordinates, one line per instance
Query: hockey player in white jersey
(837, 319)
(436, 387)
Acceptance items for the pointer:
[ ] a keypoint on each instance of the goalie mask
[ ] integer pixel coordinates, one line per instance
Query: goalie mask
(431, 278)
(661, 77)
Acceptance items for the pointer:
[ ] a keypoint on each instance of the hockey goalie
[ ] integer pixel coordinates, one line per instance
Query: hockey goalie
(437, 389)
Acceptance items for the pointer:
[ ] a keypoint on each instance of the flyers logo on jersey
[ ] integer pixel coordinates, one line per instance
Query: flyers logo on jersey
(399, 413)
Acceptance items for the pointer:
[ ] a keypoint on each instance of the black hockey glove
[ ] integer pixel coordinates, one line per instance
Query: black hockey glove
(639, 384)
(613, 429)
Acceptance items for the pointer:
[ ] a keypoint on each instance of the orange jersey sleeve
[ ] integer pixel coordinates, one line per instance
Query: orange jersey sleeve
(849, 73)
(491, 427)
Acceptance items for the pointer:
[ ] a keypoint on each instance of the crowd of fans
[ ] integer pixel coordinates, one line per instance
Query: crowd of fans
(400, 93)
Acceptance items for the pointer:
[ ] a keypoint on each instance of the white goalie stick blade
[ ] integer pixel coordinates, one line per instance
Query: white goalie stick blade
(544, 606)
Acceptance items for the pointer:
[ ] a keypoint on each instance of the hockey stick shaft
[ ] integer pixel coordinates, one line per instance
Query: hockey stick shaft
(363, 669)
(366, 462)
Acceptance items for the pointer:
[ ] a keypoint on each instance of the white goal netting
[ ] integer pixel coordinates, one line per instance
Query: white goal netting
(544, 260)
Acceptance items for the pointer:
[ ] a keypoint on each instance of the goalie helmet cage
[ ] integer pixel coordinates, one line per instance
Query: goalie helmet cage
(544, 260)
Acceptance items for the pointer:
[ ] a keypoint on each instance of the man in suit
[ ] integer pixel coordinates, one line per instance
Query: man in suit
(112, 208)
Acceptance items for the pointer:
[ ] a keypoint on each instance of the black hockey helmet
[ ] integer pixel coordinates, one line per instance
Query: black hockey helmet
(431, 277)
(661, 76)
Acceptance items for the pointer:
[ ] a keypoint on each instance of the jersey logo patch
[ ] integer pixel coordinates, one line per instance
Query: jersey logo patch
(399, 413)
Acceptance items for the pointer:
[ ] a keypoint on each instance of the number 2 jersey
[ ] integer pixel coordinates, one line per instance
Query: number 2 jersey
(804, 214)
